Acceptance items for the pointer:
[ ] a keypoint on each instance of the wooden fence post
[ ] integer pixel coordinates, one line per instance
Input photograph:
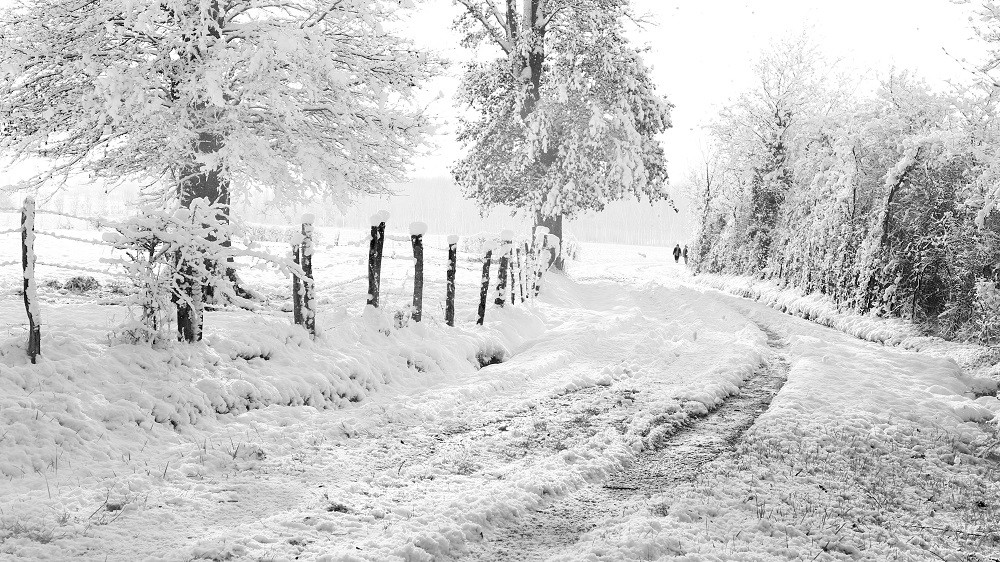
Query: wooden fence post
(524, 273)
(30, 286)
(541, 237)
(417, 231)
(375, 246)
(515, 275)
(449, 300)
(308, 283)
(485, 288)
(296, 283)
(505, 237)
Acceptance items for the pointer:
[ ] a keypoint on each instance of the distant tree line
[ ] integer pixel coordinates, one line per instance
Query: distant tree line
(879, 198)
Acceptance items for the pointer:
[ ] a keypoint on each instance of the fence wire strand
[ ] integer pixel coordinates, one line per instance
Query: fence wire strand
(345, 282)
(75, 238)
(99, 221)
(81, 268)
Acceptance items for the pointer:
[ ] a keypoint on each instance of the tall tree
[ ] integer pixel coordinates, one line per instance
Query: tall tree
(762, 130)
(567, 116)
(294, 98)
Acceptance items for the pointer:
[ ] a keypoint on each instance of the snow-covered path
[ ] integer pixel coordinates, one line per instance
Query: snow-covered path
(439, 462)
(556, 527)
(428, 471)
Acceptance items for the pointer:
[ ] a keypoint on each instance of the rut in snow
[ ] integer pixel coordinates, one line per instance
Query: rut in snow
(551, 529)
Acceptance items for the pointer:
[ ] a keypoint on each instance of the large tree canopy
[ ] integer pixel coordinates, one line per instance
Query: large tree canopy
(301, 98)
(567, 116)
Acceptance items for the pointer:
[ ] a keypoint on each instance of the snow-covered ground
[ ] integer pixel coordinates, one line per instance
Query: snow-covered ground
(376, 442)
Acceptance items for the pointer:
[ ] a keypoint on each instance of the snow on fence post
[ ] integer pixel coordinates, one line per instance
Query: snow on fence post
(417, 231)
(485, 288)
(30, 286)
(296, 283)
(449, 300)
(308, 283)
(375, 246)
(541, 237)
(505, 238)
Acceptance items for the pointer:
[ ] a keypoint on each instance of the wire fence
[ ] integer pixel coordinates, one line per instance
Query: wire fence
(519, 265)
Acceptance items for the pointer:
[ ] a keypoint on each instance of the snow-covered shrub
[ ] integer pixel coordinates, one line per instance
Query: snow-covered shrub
(478, 243)
(81, 284)
(401, 318)
(180, 256)
(259, 232)
(987, 320)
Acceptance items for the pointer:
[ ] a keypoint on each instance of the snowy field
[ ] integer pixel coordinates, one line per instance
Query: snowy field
(376, 442)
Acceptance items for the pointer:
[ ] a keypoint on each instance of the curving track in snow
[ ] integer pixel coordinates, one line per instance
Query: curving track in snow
(553, 528)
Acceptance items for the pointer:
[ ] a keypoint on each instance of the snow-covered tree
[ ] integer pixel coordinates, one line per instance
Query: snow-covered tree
(290, 98)
(879, 209)
(760, 134)
(566, 113)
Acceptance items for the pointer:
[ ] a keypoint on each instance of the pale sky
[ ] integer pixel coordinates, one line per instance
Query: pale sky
(702, 51)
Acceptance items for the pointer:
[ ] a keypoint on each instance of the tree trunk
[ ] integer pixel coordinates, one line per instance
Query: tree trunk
(189, 311)
(213, 186)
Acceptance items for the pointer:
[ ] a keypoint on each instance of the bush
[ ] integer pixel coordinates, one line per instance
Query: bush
(180, 256)
(81, 284)
(477, 243)
(259, 232)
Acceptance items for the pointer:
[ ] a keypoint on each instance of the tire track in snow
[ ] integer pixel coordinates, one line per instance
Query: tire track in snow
(550, 530)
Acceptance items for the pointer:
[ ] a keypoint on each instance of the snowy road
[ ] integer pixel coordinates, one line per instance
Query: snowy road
(591, 441)
(432, 470)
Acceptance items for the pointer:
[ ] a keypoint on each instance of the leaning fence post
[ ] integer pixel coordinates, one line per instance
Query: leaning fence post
(296, 282)
(505, 237)
(375, 246)
(417, 231)
(308, 283)
(30, 287)
(449, 300)
(485, 288)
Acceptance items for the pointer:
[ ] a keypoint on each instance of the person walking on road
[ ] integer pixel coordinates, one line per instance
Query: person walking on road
(685, 254)
(677, 253)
